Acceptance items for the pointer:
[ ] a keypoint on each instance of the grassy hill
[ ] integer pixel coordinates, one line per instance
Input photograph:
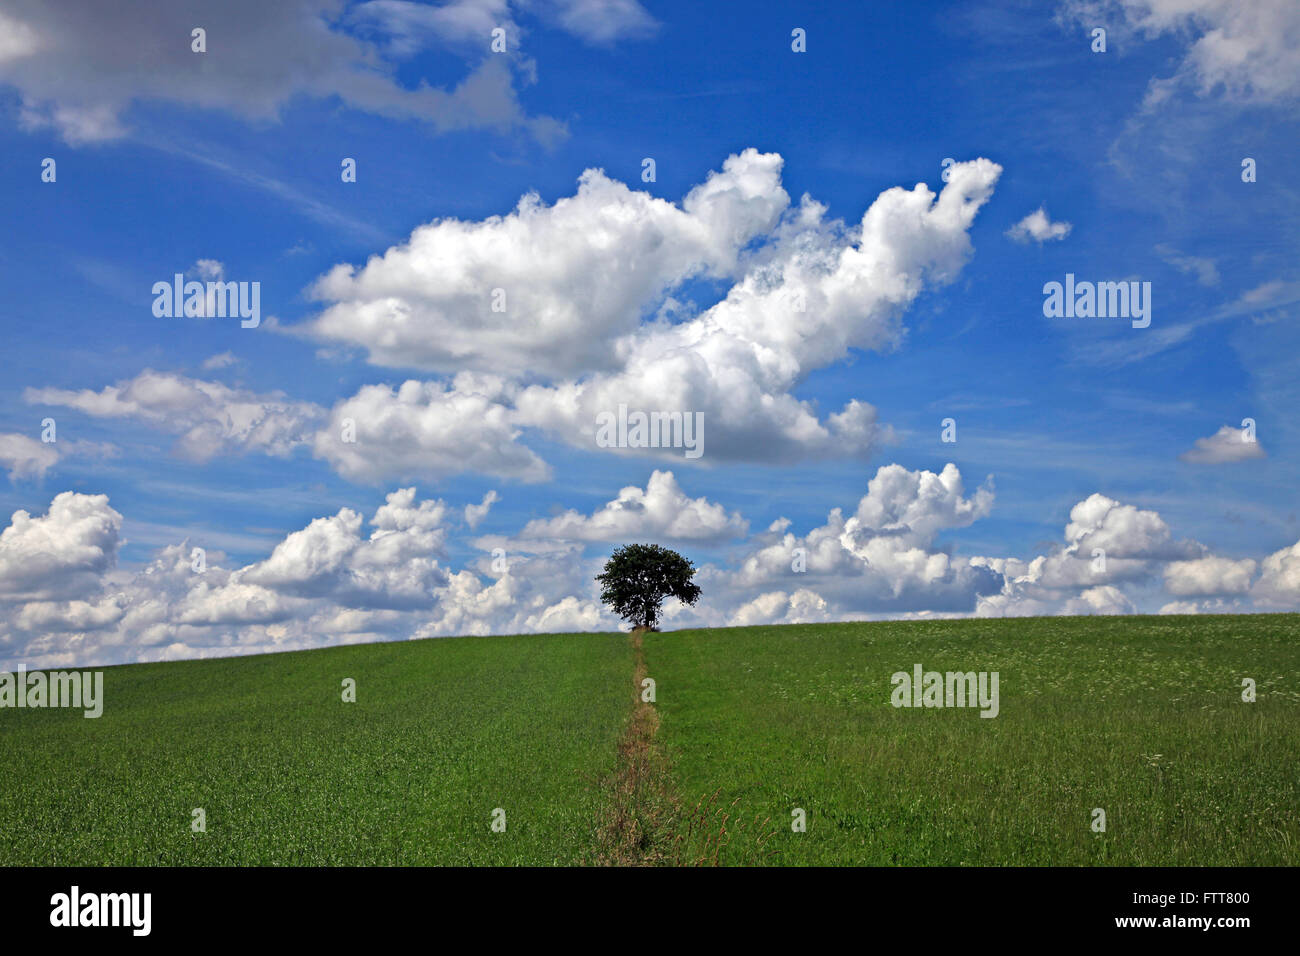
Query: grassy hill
(1140, 716)
(443, 732)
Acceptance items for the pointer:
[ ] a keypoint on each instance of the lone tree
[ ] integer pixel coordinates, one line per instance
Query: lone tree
(638, 577)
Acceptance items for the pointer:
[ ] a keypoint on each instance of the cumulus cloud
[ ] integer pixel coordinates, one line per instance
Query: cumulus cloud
(344, 579)
(24, 457)
(1209, 575)
(1107, 544)
(1123, 531)
(1279, 581)
(545, 290)
(423, 428)
(61, 602)
(78, 67)
(1104, 599)
(814, 294)
(916, 505)
(659, 511)
(580, 334)
(778, 607)
(417, 429)
(211, 418)
(396, 566)
(1038, 228)
(881, 559)
(61, 554)
(1226, 445)
(553, 592)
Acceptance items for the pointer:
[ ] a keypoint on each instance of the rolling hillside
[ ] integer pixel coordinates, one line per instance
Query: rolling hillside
(1142, 717)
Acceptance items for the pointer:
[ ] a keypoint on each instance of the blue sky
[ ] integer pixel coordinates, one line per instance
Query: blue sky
(233, 156)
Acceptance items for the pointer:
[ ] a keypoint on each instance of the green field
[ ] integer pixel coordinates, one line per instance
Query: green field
(1140, 716)
(443, 732)
(785, 717)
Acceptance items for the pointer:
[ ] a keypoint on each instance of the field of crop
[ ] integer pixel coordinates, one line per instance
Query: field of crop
(1142, 717)
(443, 732)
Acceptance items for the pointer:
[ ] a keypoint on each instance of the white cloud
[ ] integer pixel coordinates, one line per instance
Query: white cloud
(1248, 51)
(1039, 228)
(415, 430)
(63, 616)
(1107, 544)
(1123, 531)
(328, 583)
(738, 362)
(61, 554)
(220, 360)
(333, 581)
(575, 343)
(1279, 581)
(603, 21)
(1226, 445)
(882, 559)
(407, 27)
(535, 593)
(208, 270)
(25, 457)
(1207, 273)
(778, 607)
(573, 277)
(915, 505)
(423, 428)
(1209, 575)
(1104, 599)
(661, 511)
(211, 418)
(395, 567)
(474, 514)
(1207, 606)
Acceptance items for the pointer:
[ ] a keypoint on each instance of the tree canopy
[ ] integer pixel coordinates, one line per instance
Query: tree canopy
(638, 577)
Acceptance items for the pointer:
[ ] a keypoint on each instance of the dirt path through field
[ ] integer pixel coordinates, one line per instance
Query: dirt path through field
(638, 824)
